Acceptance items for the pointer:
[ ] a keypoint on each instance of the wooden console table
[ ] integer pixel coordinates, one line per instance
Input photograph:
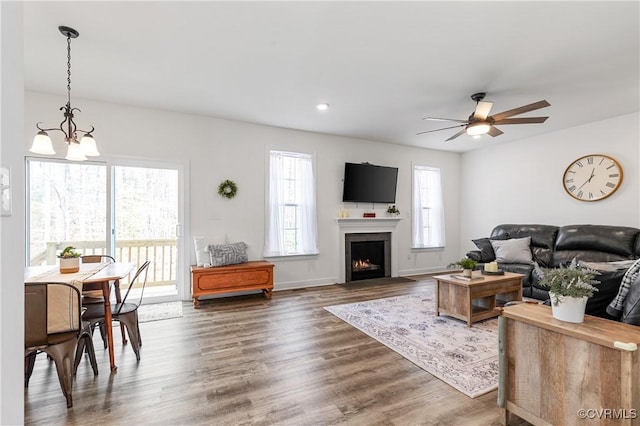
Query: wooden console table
(254, 275)
(559, 373)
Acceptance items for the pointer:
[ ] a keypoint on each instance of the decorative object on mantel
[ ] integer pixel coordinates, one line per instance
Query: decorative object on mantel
(227, 189)
(69, 260)
(466, 264)
(369, 215)
(393, 211)
(343, 214)
(77, 150)
(569, 289)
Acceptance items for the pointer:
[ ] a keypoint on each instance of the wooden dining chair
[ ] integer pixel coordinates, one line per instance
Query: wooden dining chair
(126, 312)
(52, 324)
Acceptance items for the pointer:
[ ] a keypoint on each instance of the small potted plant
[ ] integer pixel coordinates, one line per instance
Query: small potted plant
(569, 289)
(393, 211)
(69, 260)
(466, 264)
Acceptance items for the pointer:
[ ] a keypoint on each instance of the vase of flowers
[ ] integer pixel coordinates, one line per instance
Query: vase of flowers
(69, 260)
(569, 290)
(466, 264)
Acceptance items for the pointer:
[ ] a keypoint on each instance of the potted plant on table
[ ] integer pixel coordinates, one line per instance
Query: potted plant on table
(69, 260)
(466, 264)
(569, 289)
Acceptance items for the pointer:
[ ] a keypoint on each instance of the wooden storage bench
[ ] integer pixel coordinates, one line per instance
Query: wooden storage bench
(254, 275)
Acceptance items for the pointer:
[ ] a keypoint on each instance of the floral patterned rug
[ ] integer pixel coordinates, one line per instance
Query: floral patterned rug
(465, 358)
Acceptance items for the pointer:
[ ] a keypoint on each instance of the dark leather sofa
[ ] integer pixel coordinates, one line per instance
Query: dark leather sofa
(552, 246)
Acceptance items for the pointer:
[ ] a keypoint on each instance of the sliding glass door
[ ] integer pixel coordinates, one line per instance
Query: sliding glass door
(131, 212)
(146, 221)
(67, 207)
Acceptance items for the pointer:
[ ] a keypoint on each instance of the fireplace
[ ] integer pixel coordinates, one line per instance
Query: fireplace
(367, 255)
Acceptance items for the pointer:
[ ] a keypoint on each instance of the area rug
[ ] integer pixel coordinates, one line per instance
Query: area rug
(159, 311)
(465, 358)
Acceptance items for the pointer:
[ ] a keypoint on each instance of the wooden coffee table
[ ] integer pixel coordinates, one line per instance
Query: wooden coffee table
(475, 300)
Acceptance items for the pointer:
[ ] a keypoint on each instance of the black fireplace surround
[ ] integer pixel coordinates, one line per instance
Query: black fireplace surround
(367, 256)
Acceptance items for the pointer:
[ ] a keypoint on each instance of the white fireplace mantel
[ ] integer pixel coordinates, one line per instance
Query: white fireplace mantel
(364, 225)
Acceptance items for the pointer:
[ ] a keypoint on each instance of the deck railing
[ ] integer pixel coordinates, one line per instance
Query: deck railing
(162, 253)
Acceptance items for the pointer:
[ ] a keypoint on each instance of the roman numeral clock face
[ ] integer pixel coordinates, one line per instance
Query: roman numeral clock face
(592, 177)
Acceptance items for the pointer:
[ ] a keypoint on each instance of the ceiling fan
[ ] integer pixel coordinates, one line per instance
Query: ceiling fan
(480, 122)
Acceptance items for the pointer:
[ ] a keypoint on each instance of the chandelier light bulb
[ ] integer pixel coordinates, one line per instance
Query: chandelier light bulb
(42, 144)
(74, 153)
(88, 145)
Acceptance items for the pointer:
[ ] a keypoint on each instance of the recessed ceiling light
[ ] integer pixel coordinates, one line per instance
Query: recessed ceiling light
(322, 107)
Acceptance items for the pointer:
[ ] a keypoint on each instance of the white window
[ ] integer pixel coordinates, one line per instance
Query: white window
(428, 208)
(291, 223)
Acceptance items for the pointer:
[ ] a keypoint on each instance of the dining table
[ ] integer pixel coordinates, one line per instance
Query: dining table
(94, 276)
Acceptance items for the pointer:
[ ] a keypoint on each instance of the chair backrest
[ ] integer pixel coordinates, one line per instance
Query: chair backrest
(97, 258)
(140, 276)
(49, 308)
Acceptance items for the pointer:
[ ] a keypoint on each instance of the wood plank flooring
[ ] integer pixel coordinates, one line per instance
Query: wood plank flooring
(247, 360)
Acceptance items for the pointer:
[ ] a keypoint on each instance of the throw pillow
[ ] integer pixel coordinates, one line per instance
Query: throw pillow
(227, 254)
(486, 249)
(202, 256)
(515, 250)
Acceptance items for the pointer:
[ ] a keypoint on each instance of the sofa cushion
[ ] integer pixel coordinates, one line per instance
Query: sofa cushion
(543, 238)
(616, 240)
(514, 250)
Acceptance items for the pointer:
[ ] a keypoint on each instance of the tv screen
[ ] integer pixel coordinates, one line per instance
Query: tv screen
(367, 183)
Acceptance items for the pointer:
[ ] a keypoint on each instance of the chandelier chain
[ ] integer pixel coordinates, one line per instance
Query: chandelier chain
(69, 70)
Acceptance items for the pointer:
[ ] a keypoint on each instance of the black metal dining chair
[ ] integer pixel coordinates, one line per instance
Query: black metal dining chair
(125, 312)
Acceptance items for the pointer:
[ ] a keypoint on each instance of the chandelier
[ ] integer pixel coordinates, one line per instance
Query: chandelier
(76, 150)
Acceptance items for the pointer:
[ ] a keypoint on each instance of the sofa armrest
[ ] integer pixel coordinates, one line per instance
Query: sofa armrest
(475, 255)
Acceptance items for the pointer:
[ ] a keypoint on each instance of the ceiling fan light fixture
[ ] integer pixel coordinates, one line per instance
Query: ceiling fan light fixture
(477, 129)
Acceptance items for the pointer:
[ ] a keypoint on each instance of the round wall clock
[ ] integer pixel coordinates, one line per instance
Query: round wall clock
(593, 177)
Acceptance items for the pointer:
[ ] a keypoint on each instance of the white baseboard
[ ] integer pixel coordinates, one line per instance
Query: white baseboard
(292, 285)
(409, 272)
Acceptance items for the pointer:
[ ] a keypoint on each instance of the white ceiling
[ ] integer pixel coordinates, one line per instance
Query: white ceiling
(382, 66)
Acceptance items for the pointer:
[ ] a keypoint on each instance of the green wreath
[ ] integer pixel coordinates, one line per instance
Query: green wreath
(227, 188)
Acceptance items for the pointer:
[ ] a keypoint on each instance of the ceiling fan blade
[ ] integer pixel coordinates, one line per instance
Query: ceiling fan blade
(456, 135)
(520, 110)
(446, 119)
(482, 110)
(494, 131)
(524, 120)
(437, 130)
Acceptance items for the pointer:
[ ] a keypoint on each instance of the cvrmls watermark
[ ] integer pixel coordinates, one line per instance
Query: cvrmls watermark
(608, 413)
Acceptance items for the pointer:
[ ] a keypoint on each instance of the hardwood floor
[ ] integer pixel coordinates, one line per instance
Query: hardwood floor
(253, 361)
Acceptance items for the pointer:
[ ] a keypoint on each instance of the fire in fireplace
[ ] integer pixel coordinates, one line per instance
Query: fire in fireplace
(367, 255)
(364, 265)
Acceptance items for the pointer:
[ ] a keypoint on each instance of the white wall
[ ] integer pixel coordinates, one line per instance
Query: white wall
(521, 182)
(12, 227)
(219, 149)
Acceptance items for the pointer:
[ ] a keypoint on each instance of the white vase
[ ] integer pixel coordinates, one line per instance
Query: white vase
(69, 265)
(467, 273)
(569, 309)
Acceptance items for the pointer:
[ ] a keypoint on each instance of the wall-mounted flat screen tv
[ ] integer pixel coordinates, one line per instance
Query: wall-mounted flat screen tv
(367, 183)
